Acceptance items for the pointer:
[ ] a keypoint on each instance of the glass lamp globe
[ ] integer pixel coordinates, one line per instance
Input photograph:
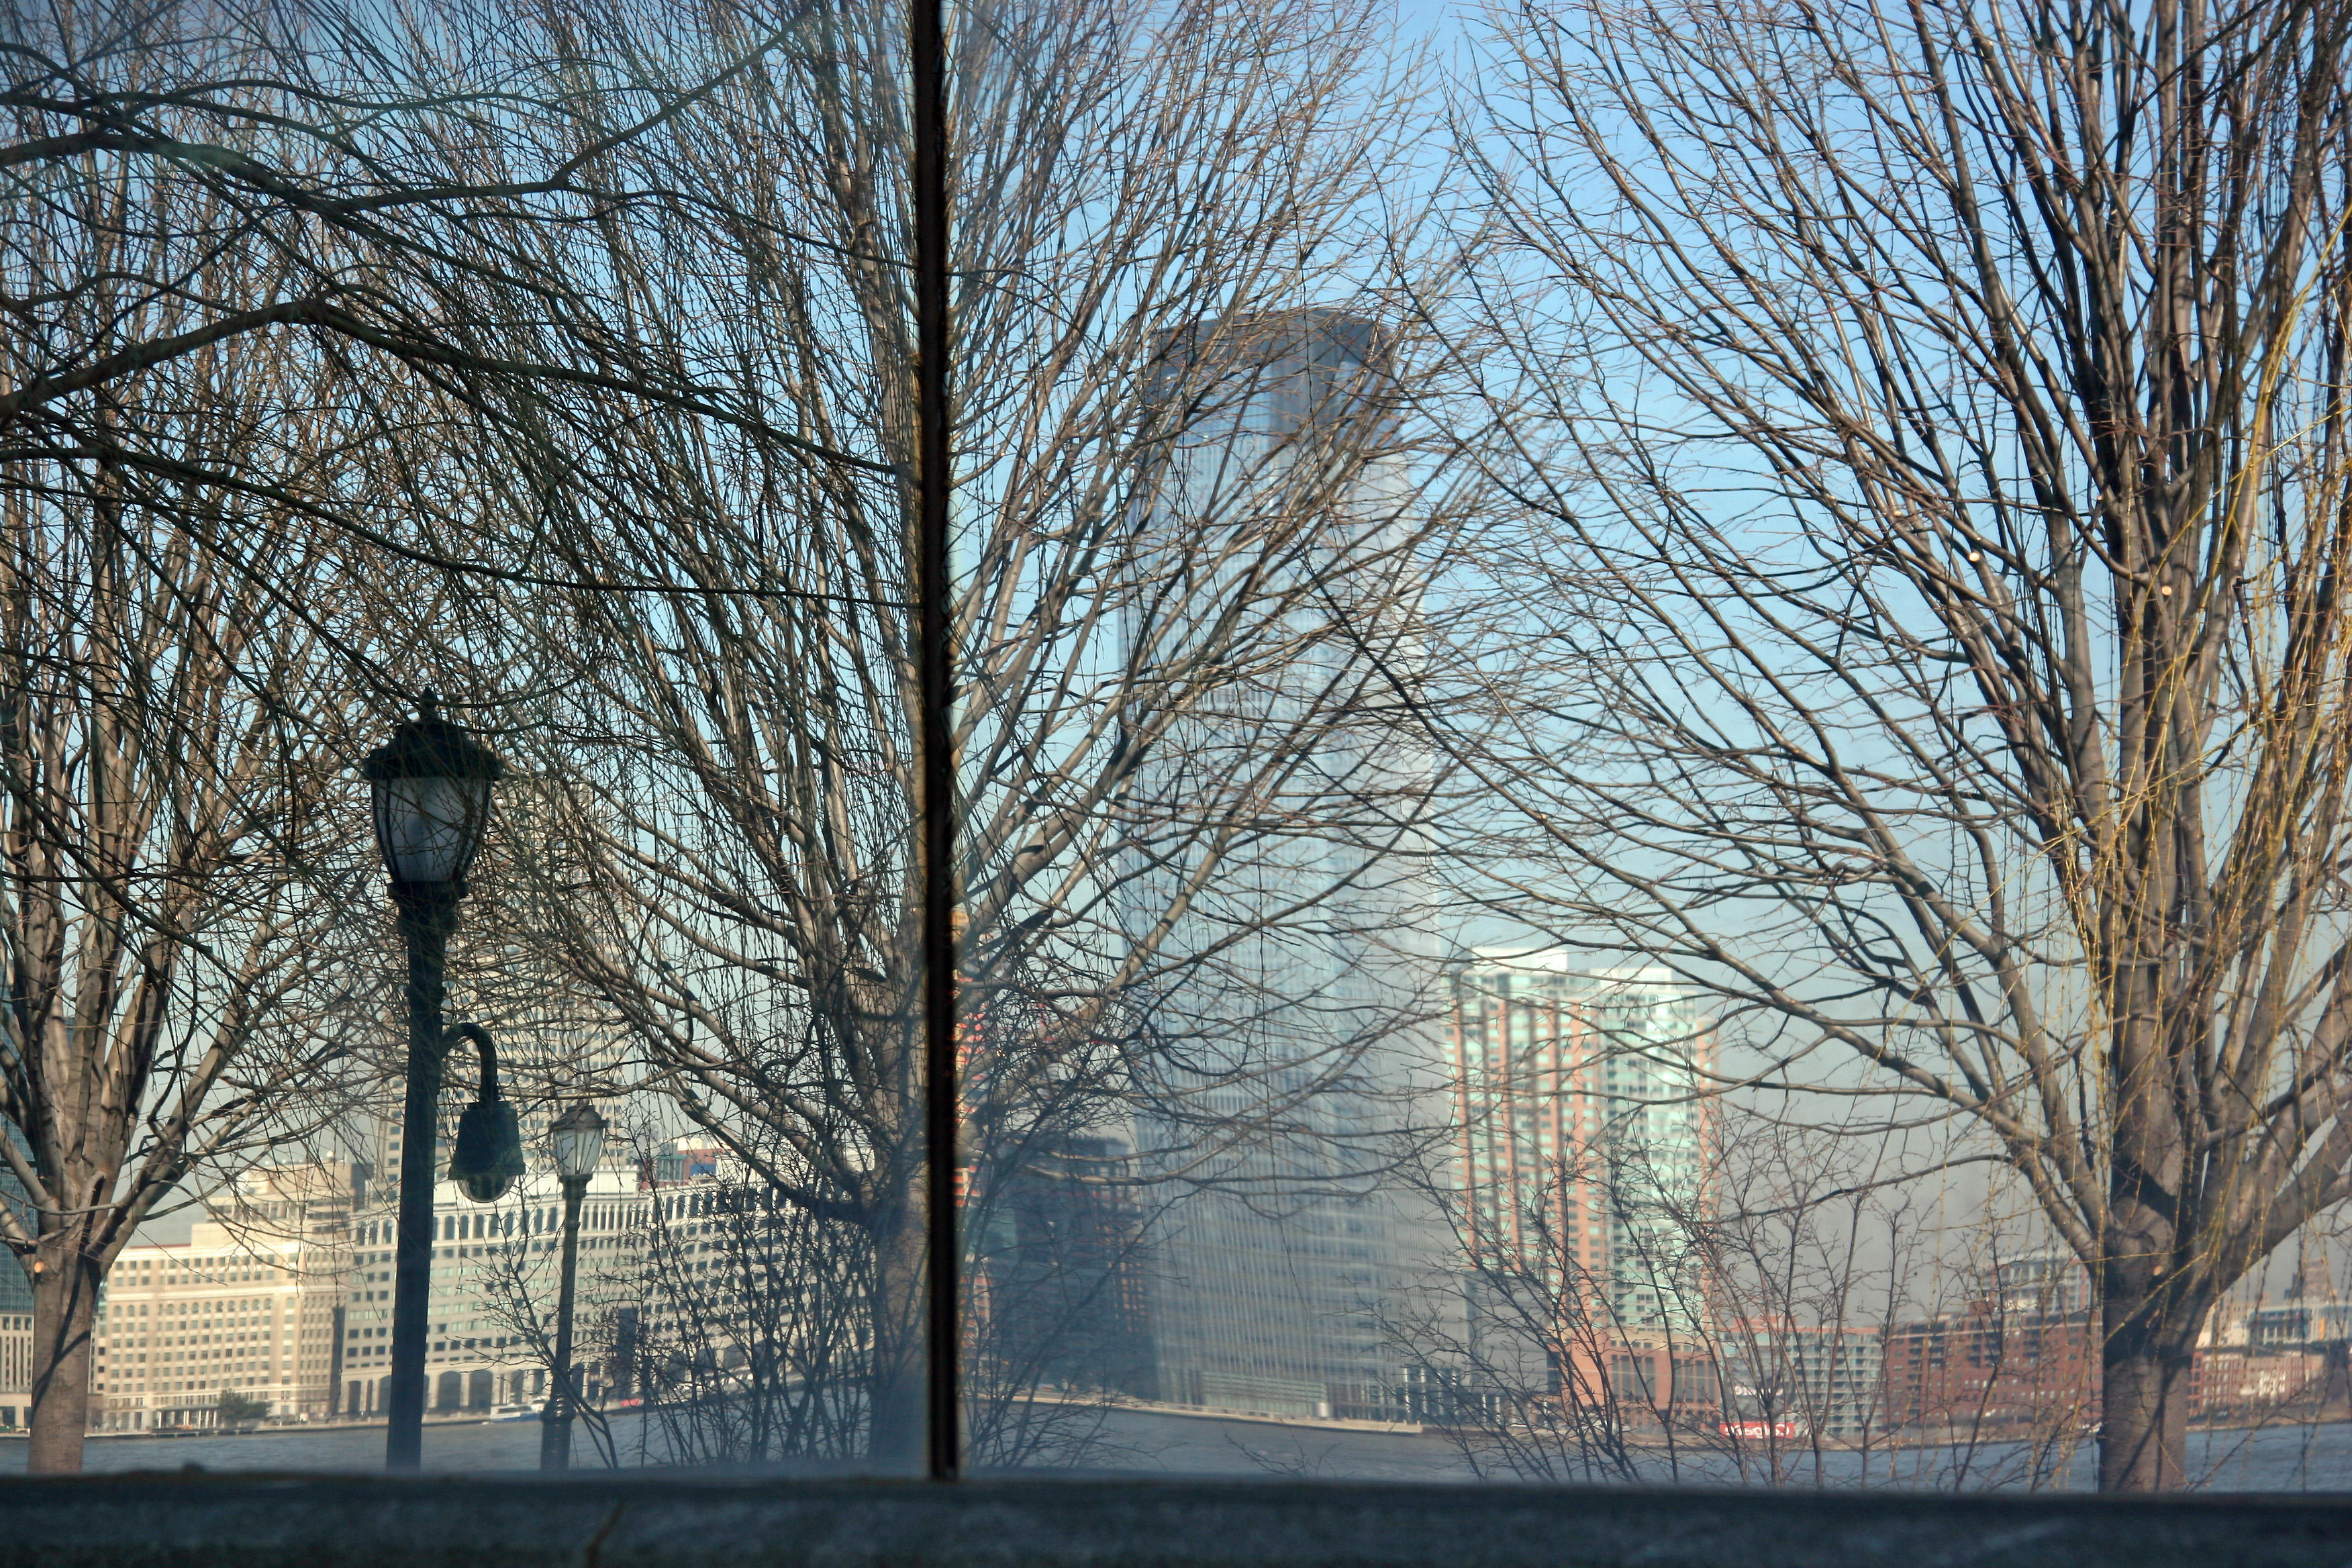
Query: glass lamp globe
(579, 1137)
(431, 789)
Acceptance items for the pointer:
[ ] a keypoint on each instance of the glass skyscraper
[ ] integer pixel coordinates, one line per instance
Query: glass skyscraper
(1293, 1038)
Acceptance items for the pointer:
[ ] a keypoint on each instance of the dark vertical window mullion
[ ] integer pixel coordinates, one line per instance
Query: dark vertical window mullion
(927, 72)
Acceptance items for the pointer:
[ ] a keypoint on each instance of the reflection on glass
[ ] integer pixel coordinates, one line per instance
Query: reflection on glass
(1281, 806)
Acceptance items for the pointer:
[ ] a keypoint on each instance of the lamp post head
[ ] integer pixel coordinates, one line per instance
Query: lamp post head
(486, 1154)
(430, 786)
(579, 1138)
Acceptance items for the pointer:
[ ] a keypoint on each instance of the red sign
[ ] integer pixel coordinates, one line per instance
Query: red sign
(1760, 1429)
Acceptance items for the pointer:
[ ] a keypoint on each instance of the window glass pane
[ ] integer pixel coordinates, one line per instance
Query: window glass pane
(1564, 742)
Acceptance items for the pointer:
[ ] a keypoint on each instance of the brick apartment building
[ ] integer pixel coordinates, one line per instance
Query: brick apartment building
(1988, 1368)
(2025, 1358)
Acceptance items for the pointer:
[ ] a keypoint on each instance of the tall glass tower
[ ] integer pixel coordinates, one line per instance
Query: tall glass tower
(1281, 818)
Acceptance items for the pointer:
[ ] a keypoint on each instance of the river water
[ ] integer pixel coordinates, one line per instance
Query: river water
(2280, 1458)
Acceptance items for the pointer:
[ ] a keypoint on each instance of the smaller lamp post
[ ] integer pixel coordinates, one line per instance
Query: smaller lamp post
(579, 1135)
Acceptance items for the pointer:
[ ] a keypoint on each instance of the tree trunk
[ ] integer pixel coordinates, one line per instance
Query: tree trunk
(2144, 1364)
(65, 1305)
(897, 1437)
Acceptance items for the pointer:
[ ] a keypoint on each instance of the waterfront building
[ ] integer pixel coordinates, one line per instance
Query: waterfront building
(245, 1307)
(281, 1299)
(2313, 1317)
(745, 1311)
(676, 1162)
(494, 1292)
(1291, 1040)
(2250, 1386)
(2050, 1282)
(1648, 1381)
(1986, 1369)
(1791, 1380)
(1581, 1102)
(2299, 1325)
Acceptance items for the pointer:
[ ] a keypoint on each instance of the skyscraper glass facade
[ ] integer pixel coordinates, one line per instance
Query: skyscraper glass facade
(1292, 1039)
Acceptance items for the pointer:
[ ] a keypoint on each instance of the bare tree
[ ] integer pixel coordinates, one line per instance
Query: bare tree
(261, 292)
(377, 187)
(736, 756)
(751, 1316)
(176, 857)
(1508, 1351)
(1932, 453)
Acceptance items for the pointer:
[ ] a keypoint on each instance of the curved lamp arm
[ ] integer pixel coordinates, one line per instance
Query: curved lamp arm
(486, 1155)
(481, 1039)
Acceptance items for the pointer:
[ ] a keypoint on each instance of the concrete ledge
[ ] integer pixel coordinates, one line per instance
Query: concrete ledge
(602, 1521)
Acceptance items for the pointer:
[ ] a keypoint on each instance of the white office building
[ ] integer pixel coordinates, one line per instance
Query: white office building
(495, 1277)
(247, 1307)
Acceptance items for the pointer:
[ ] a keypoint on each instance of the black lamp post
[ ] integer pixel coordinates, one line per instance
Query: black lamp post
(579, 1136)
(431, 785)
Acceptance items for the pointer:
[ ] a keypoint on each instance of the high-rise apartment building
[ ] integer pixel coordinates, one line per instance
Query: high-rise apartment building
(1294, 1038)
(2047, 1282)
(1581, 1102)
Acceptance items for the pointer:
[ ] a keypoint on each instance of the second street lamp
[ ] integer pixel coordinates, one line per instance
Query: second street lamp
(430, 786)
(579, 1137)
